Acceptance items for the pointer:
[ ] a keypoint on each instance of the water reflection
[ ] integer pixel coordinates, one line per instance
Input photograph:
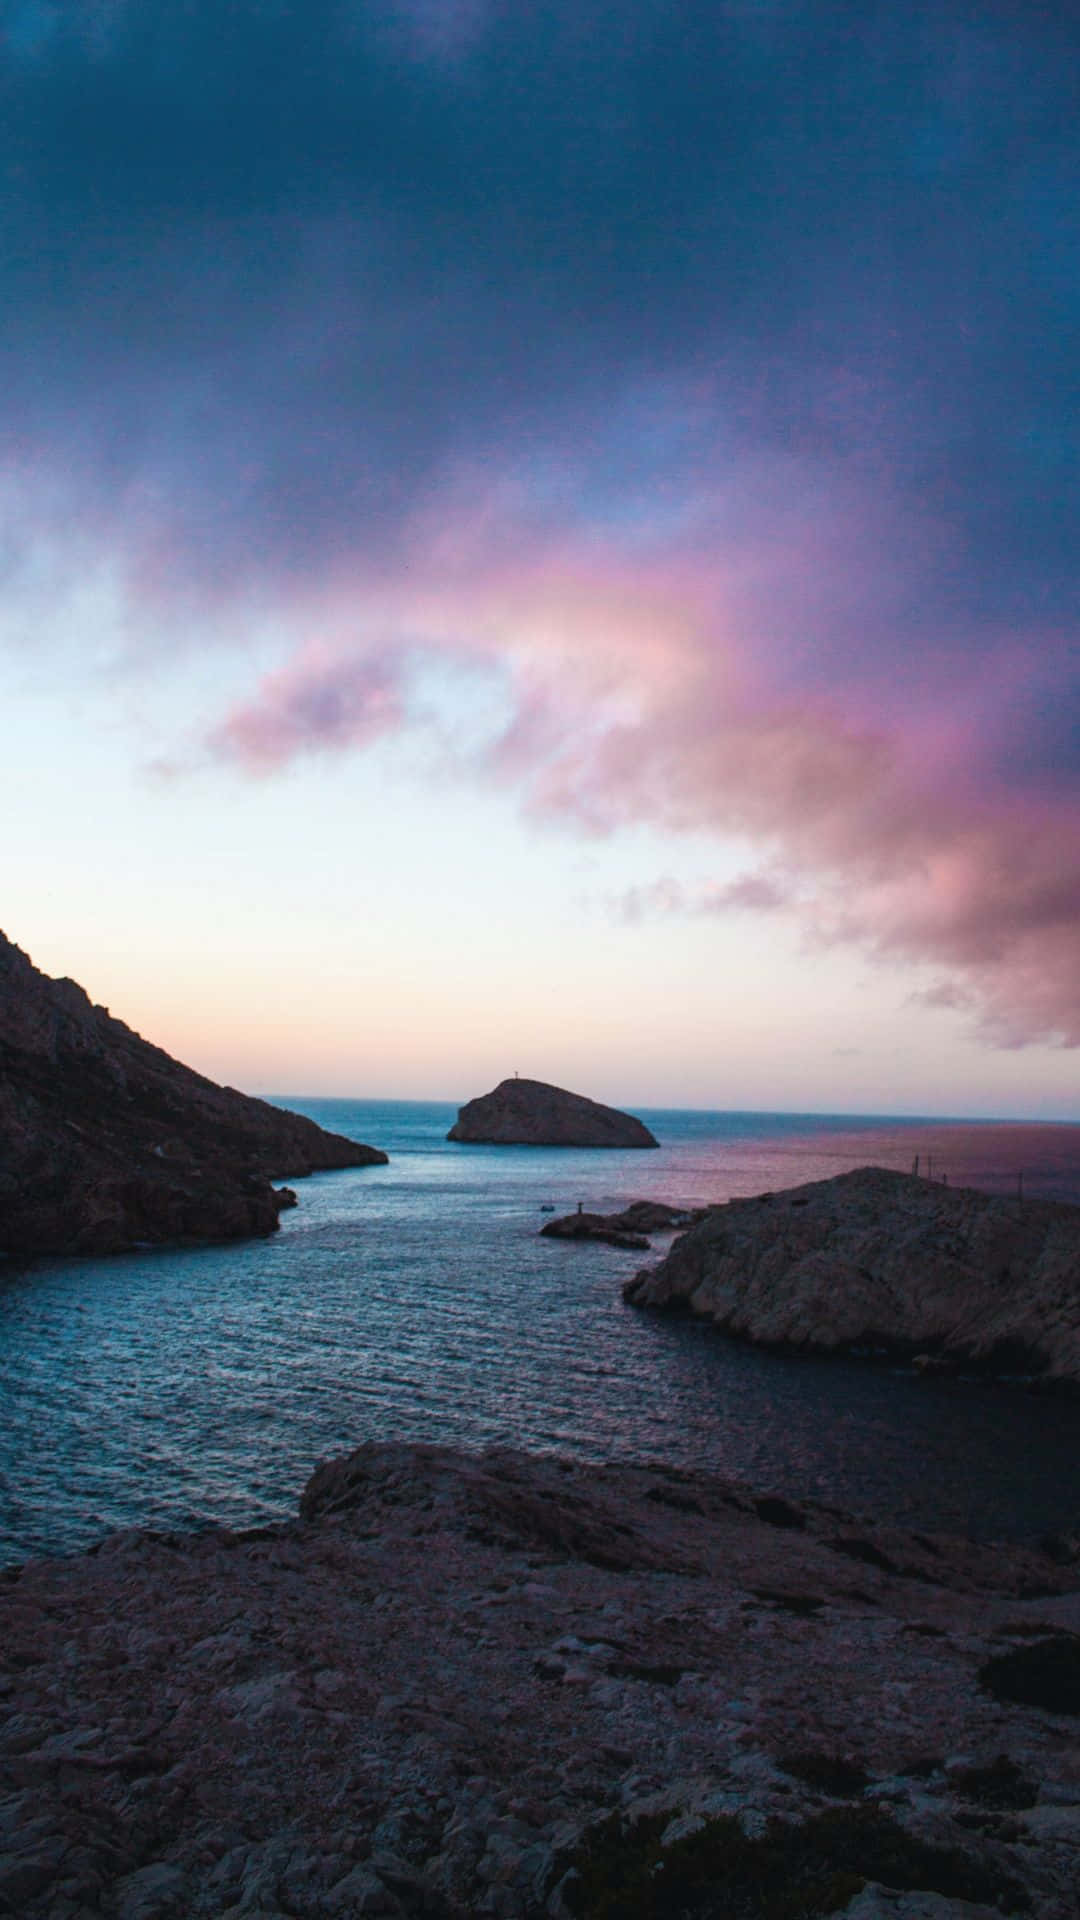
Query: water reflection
(417, 1300)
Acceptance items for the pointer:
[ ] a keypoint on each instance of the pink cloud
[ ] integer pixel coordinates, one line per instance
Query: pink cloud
(946, 995)
(751, 892)
(315, 705)
(639, 689)
(667, 898)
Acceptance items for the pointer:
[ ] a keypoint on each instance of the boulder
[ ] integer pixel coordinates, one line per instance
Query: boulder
(107, 1143)
(529, 1113)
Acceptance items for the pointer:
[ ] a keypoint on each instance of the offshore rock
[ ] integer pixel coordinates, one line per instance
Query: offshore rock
(626, 1229)
(874, 1260)
(460, 1677)
(529, 1113)
(107, 1143)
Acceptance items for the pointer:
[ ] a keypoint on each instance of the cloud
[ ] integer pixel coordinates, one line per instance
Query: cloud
(654, 900)
(276, 270)
(313, 706)
(751, 892)
(946, 995)
(667, 898)
(702, 376)
(632, 693)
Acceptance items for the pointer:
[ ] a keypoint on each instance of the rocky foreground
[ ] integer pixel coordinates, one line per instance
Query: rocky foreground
(465, 1685)
(529, 1113)
(882, 1261)
(107, 1143)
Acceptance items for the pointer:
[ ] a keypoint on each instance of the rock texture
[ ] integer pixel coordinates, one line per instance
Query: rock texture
(628, 1228)
(880, 1260)
(529, 1113)
(107, 1143)
(459, 1679)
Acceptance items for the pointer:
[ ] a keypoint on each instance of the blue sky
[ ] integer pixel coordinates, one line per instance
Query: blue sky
(546, 538)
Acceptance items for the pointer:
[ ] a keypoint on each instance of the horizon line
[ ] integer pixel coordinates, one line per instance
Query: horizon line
(786, 1113)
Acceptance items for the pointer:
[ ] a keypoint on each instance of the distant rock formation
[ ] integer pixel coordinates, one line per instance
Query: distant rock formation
(626, 1229)
(107, 1143)
(874, 1260)
(529, 1113)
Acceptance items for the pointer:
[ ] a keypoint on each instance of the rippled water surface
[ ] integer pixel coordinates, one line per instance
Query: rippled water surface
(417, 1301)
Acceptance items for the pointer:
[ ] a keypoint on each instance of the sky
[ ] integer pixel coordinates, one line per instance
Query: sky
(544, 538)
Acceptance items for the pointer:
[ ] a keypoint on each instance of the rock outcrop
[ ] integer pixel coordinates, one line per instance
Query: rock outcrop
(629, 1228)
(874, 1260)
(107, 1143)
(529, 1113)
(498, 1685)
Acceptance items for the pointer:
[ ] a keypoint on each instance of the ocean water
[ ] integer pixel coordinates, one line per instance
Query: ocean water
(417, 1301)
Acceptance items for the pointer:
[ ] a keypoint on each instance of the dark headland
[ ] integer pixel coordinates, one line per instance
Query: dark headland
(107, 1143)
(529, 1113)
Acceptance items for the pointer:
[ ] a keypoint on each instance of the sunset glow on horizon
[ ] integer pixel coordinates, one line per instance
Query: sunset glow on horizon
(549, 541)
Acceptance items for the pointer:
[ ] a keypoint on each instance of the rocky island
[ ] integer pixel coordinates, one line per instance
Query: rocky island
(888, 1262)
(465, 1685)
(529, 1113)
(630, 1227)
(107, 1143)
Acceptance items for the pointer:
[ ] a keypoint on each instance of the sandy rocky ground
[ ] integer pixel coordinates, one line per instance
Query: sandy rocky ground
(415, 1698)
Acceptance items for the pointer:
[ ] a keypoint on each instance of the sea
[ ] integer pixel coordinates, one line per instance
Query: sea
(418, 1302)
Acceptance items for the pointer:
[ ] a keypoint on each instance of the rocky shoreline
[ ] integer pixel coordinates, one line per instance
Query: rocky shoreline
(500, 1684)
(876, 1262)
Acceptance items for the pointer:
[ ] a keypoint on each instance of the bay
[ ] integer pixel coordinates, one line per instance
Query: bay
(417, 1301)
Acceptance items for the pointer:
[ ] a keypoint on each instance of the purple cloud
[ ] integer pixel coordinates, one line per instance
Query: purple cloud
(313, 706)
(704, 375)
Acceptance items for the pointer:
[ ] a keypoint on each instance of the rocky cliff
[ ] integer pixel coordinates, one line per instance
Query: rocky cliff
(106, 1142)
(468, 1685)
(880, 1260)
(529, 1113)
